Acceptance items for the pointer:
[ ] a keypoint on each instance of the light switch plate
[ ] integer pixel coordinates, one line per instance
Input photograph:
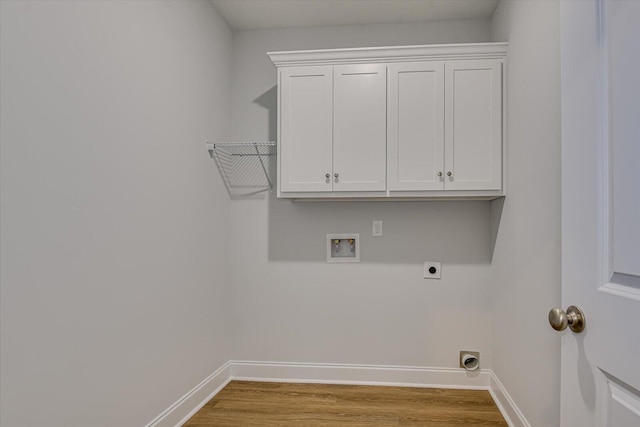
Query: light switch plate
(432, 270)
(376, 228)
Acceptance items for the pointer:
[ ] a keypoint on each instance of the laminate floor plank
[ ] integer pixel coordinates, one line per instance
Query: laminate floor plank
(248, 403)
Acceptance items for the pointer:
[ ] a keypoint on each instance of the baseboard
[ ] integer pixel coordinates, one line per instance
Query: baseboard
(407, 376)
(411, 376)
(185, 407)
(504, 402)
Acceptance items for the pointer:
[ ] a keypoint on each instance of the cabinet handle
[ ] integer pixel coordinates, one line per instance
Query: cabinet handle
(327, 176)
(439, 173)
(336, 175)
(449, 173)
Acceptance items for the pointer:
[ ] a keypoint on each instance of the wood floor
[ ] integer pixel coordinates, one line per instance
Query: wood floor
(244, 403)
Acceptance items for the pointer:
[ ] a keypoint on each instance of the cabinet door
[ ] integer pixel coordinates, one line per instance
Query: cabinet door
(415, 120)
(473, 125)
(306, 110)
(359, 133)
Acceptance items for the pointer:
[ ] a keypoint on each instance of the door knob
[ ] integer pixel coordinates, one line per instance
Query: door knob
(574, 318)
(327, 176)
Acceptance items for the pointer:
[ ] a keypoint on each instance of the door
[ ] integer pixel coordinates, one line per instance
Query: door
(473, 125)
(415, 120)
(601, 211)
(360, 130)
(306, 127)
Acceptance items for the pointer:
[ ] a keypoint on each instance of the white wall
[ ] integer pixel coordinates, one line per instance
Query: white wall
(289, 305)
(114, 220)
(526, 261)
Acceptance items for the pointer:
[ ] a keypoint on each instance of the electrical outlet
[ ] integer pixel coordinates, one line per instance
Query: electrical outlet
(376, 228)
(432, 270)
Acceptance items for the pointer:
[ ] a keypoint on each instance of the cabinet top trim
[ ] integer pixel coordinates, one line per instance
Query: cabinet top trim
(389, 54)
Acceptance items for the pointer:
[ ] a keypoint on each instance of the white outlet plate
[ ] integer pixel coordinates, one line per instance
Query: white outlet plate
(428, 274)
(376, 228)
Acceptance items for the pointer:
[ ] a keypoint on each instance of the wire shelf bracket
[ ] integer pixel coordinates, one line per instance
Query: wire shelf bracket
(244, 166)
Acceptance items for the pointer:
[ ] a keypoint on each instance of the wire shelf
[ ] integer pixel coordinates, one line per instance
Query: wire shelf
(244, 166)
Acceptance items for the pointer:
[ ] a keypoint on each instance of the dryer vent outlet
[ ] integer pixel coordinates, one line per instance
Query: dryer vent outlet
(470, 360)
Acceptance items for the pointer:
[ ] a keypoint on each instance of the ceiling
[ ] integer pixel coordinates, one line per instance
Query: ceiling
(263, 14)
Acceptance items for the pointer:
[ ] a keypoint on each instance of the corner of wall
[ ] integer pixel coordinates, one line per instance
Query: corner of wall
(526, 248)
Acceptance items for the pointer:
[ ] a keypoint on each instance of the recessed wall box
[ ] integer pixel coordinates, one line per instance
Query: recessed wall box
(343, 247)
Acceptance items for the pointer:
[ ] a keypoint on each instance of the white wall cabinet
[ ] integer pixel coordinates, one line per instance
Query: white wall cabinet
(396, 122)
(473, 125)
(445, 125)
(305, 134)
(416, 126)
(359, 127)
(332, 128)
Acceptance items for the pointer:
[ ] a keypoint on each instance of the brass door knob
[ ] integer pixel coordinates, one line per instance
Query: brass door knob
(574, 318)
